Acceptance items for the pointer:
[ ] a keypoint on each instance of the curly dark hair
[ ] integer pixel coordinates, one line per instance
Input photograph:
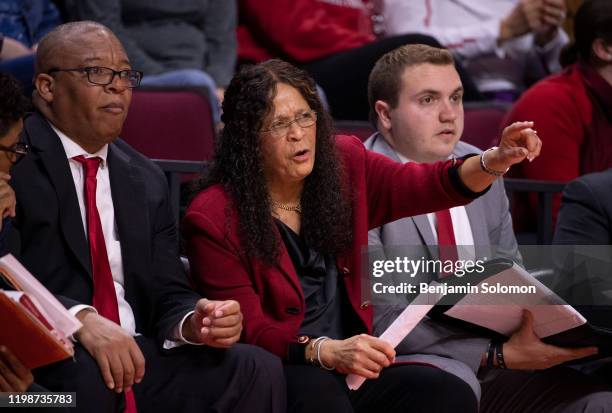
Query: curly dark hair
(13, 104)
(238, 165)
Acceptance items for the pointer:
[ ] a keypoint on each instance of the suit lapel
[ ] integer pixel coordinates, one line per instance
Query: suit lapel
(53, 157)
(475, 212)
(131, 212)
(421, 222)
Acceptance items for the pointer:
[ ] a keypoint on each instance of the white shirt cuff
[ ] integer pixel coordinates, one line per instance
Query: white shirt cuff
(177, 335)
(74, 310)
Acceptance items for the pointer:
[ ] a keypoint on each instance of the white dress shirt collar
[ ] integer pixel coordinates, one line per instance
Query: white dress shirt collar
(73, 149)
(461, 225)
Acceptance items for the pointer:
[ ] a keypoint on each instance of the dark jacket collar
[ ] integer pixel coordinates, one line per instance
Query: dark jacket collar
(127, 189)
(47, 146)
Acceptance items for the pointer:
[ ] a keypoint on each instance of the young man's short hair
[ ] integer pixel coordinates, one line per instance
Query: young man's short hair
(13, 104)
(386, 78)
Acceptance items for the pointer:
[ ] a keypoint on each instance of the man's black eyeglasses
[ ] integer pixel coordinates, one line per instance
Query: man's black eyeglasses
(104, 75)
(17, 152)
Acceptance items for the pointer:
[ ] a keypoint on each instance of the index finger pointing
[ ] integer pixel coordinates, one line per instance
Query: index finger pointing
(531, 140)
(516, 126)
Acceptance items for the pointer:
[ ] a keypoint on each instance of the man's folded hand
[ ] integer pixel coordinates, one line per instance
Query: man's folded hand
(120, 360)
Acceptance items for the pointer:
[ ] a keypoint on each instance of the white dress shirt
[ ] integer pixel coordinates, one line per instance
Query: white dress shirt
(106, 209)
(461, 227)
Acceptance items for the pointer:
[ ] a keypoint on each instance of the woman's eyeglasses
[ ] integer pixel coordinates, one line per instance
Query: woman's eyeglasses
(281, 128)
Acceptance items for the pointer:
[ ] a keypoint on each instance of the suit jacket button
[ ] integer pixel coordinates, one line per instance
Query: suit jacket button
(292, 310)
(365, 305)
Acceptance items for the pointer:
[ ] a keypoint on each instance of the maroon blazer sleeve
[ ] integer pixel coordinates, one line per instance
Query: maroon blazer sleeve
(395, 191)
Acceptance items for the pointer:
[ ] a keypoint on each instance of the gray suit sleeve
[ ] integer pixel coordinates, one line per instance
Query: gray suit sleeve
(502, 236)
(108, 12)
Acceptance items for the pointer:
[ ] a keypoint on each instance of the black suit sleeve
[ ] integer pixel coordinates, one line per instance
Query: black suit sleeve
(14, 247)
(174, 297)
(583, 219)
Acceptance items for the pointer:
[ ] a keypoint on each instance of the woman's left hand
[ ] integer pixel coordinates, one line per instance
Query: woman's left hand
(518, 142)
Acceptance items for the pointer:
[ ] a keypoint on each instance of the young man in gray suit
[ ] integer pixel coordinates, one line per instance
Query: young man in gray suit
(415, 97)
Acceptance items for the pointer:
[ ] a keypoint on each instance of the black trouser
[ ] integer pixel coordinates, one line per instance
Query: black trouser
(344, 76)
(399, 389)
(187, 379)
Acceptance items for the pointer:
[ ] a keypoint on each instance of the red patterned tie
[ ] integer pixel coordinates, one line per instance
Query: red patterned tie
(446, 239)
(104, 295)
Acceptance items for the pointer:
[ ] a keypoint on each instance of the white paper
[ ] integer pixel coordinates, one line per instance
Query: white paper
(401, 327)
(54, 311)
(503, 312)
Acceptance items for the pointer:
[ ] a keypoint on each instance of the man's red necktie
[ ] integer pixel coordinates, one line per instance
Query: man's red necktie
(446, 239)
(104, 294)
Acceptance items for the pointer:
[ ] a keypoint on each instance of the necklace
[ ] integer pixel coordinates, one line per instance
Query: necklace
(297, 207)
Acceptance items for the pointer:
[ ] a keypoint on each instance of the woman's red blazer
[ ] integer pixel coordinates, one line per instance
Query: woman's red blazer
(271, 298)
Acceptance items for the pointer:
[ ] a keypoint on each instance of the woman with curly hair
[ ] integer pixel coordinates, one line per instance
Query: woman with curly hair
(281, 225)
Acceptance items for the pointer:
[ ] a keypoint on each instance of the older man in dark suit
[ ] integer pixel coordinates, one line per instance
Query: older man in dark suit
(96, 229)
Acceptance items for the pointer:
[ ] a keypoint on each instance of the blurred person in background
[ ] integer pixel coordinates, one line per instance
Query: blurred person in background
(13, 107)
(336, 42)
(22, 24)
(174, 42)
(505, 45)
(572, 111)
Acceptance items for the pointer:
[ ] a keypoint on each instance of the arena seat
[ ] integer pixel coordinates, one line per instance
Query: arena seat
(482, 123)
(170, 123)
(360, 129)
(543, 233)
